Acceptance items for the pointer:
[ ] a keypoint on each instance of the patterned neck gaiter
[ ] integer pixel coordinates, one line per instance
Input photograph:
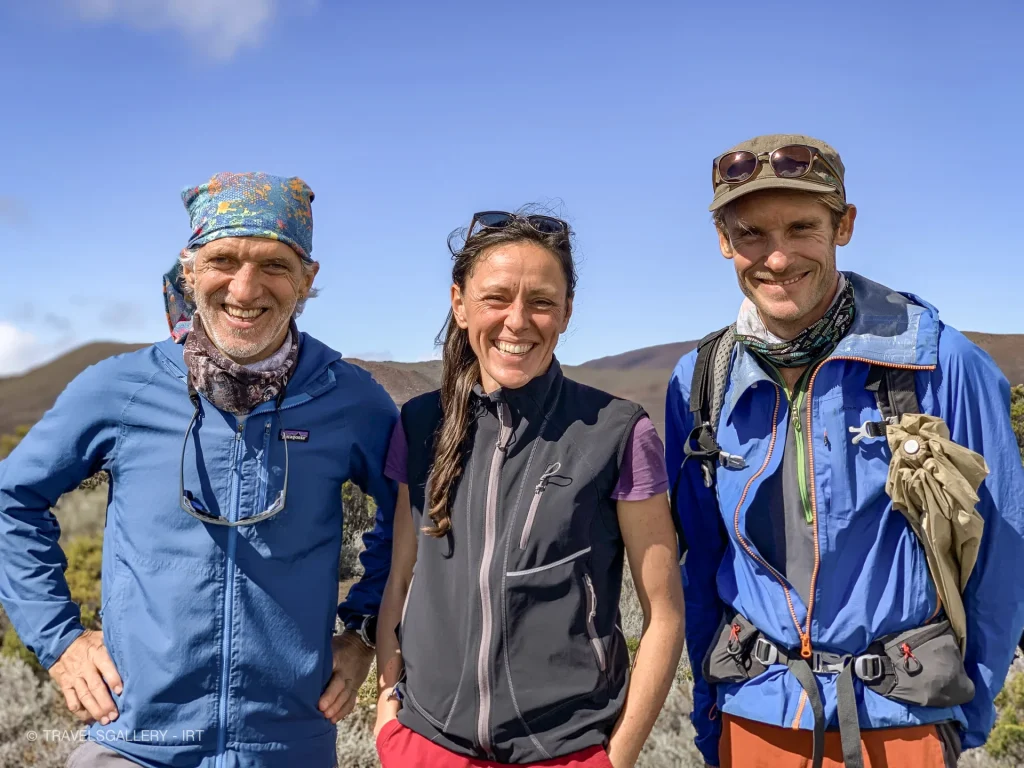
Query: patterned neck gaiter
(811, 344)
(229, 386)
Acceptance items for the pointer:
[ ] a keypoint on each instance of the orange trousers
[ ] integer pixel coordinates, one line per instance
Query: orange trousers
(749, 744)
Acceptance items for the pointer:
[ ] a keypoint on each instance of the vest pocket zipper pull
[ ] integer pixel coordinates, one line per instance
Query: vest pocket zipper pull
(595, 641)
(538, 491)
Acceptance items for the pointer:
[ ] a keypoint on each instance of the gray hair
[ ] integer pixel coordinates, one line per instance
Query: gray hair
(188, 261)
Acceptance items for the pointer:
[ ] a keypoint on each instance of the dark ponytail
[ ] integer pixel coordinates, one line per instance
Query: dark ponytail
(460, 370)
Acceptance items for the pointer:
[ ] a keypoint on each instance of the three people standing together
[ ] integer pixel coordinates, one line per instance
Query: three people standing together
(844, 483)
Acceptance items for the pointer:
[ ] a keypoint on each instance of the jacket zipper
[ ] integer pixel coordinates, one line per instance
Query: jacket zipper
(804, 642)
(801, 458)
(595, 641)
(229, 598)
(483, 671)
(805, 636)
(538, 492)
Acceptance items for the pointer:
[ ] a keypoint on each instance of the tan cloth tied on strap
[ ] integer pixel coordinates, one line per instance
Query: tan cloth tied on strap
(934, 483)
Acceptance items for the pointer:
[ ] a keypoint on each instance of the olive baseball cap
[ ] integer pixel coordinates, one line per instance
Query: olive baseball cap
(820, 177)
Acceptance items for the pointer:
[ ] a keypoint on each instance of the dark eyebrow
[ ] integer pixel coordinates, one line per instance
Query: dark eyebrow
(742, 228)
(811, 222)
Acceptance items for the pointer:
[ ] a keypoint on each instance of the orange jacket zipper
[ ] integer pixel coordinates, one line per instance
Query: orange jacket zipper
(805, 635)
(736, 518)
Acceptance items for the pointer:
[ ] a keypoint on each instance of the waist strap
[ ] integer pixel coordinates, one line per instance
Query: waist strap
(868, 667)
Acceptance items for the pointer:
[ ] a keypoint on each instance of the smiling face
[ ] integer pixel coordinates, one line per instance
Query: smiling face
(246, 290)
(513, 306)
(783, 245)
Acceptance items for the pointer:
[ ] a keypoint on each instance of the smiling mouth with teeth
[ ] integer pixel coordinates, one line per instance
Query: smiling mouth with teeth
(513, 349)
(244, 314)
(783, 282)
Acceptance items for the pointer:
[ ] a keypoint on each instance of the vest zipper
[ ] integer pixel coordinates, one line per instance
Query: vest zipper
(538, 492)
(595, 641)
(483, 669)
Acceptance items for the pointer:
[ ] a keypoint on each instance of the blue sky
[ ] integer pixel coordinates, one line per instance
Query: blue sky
(405, 117)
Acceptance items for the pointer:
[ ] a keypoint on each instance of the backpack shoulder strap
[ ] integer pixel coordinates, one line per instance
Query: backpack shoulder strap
(707, 391)
(895, 392)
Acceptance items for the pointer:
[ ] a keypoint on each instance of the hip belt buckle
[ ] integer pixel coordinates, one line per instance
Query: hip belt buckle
(869, 667)
(765, 652)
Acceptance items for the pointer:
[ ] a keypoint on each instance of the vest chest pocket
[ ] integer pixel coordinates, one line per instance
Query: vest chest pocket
(550, 476)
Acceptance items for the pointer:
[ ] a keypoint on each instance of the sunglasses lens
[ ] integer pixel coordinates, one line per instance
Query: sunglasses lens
(546, 224)
(791, 162)
(493, 219)
(737, 166)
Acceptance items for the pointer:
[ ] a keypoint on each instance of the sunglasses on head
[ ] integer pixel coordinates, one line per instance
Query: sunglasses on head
(792, 161)
(547, 225)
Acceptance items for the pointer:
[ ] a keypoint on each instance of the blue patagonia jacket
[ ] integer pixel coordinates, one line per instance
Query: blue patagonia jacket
(871, 578)
(222, 636)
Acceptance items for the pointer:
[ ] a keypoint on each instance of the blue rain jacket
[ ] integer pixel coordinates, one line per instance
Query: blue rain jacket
(872, 577)
(222, 636)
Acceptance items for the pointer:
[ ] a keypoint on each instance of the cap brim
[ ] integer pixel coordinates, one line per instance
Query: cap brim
(770, 182)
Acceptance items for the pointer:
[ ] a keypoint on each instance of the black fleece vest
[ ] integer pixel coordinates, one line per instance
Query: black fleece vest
(511, 638)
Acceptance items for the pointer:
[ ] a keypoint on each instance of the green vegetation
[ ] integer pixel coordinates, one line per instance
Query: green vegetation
(1017, 415)
(1006, 741)
(9, 442)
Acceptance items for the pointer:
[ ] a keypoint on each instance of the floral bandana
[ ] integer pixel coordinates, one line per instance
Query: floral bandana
(229, 386)
(811, 344)
(240, 205)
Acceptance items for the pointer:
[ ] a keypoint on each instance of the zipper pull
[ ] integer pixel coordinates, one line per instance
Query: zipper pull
(550, 472)
(805, 645)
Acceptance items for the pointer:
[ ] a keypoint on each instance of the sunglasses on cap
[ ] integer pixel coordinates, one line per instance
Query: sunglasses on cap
(792, 161)
(547, 225)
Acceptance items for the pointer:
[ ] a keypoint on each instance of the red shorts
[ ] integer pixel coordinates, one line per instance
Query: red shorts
(400, 747)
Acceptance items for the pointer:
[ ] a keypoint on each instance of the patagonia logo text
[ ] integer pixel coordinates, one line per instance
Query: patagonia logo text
(295, 435)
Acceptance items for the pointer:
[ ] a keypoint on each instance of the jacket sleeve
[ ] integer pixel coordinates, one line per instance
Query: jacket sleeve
(698, 513)
(373, 422)
(73, 441)
(975, 399)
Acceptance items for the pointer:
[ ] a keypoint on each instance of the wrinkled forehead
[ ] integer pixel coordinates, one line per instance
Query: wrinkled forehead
(774, 207)
(250, 249)
(512, 264)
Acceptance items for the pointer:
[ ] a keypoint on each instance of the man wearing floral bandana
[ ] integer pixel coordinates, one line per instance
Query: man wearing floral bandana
(816, 628)
(227, 447)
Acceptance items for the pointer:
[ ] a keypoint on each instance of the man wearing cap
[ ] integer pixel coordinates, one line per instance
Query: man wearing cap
(814, 624)
(227, 446)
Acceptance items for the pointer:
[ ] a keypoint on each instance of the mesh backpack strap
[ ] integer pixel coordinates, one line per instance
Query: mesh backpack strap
(707, 390)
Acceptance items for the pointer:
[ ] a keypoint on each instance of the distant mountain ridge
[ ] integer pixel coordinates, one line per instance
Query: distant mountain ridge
(640, 375)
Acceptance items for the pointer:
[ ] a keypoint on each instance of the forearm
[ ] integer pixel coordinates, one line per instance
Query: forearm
(661, 645)
(389, 652)
(33, 589)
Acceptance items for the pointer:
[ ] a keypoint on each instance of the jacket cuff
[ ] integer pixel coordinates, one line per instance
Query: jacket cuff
(48, 658)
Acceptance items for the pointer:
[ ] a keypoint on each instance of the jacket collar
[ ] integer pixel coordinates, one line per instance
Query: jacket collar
(889, 328)
(312, 375)
(533, 394)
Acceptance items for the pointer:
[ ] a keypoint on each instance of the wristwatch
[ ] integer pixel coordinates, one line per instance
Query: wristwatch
(365, 628)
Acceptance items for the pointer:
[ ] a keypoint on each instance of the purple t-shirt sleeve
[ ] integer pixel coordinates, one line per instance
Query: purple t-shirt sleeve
(642, 473)
(396, 466)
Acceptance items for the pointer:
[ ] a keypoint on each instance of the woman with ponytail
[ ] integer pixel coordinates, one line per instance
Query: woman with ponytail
(520, 494)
